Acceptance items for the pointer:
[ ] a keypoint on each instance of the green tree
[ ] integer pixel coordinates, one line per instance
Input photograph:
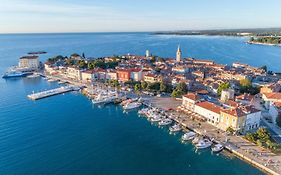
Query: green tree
(163, 87)
(230, 130)
(259, 142)
(263, 134)
(144, 85)
(245, 83)
(222, 87)
(176, 93)
(137, 87)
(264, 68)
(82, 64)
(153, 86)
(182, 88)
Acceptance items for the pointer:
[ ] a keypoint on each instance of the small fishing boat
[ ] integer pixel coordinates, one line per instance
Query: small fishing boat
(175, 128)
(203, 143)
(188, 136)
(217, 148)
(165, 122)
(132, 105)
(156, 118)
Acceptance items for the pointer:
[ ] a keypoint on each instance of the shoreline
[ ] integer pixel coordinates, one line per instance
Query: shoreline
(206, 129)
(264, 44)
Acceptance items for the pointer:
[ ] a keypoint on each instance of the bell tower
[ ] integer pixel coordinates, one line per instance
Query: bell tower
(178, 57)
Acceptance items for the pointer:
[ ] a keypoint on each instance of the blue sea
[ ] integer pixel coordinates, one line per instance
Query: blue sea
(66, 134)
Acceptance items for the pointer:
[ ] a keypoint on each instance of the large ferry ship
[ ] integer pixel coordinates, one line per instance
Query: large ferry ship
(13, 74)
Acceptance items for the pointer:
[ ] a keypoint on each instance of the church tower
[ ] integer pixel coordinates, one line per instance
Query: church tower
(178, 57)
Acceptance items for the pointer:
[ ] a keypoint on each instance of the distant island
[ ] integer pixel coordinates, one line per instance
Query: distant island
(265, 32)
(266, 36)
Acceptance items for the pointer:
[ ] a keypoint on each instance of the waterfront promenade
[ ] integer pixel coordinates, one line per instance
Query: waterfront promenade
(262, 158)
(255, 155)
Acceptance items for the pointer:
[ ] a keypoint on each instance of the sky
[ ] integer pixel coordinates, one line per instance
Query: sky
(40, 16)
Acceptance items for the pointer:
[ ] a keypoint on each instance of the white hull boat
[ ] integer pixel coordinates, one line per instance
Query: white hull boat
(132, 105)
(165, 122)
(175, 128)
(204, 143)
(188, 136)
(217, 148)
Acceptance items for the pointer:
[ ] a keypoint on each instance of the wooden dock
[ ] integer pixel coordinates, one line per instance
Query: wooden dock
(52, 92)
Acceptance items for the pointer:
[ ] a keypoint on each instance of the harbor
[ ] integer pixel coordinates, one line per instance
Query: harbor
(168, 111)
(190, 122)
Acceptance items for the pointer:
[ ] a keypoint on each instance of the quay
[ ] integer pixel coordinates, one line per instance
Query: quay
(259, 157)
(52, 92)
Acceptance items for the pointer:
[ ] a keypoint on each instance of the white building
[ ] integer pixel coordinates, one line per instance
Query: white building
(227, 94)
(275, 111)
(29, 62)
(136, 74)
(180, 69)
(189, 100)
(253, 118)
(111, 75)
(270, 98)
(208, 110)
(73, 73)
(87, 76)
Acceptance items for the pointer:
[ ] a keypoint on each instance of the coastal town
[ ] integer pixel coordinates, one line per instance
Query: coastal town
(229, 104)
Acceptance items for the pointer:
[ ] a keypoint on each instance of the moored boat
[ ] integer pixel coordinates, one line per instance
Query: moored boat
(217, 148)
(132, 105)
(175, 128)
(188, 136)
(14, 74)
(165, 122)
(203, 143)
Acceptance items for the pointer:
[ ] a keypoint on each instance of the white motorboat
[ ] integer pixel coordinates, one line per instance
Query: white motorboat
(156, 118)
(132, 105)
(217, 148)
(204, 143)
(143, 111)
(196, 140)
(100, 99)
(33, 76)
(175, 128)
(165, 122)
(188, 136)
(52, 80)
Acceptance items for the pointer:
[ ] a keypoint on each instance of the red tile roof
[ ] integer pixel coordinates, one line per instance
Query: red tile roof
(192, 96)
(210, 106)
(245, 96)
(276, 95)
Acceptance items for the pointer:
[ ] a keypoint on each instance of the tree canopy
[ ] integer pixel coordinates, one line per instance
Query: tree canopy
(222, 87)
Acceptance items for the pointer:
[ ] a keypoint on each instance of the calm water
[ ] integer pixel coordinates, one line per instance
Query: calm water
(67, 135)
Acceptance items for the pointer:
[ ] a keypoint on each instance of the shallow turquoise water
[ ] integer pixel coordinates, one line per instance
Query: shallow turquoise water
(65, 134)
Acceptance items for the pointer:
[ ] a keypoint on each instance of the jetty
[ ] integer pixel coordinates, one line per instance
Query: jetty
(52, 92)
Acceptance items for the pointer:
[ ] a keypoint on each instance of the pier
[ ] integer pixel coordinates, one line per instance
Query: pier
(52, 92)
